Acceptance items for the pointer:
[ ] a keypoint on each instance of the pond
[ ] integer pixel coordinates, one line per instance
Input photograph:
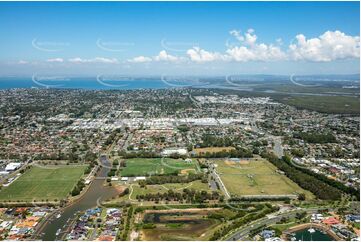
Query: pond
(177, 225)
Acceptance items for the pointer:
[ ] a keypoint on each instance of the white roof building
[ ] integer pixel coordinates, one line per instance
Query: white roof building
(13, 166)
(180, 151)
(138, 178)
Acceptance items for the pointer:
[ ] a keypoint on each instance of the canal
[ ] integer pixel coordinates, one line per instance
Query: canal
(96, 193)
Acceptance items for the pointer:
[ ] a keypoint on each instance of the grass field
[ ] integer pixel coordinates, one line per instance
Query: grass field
(137, 190)
(197, 185)
(43, 184)
(256, 177)
(157, 166)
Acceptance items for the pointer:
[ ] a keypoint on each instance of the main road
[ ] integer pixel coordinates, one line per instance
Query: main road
(268, 220)
(218, 179)
(277, 147)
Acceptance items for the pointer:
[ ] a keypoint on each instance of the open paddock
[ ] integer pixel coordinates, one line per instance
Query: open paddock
(256, 177)
(43, 184)
(157, 166)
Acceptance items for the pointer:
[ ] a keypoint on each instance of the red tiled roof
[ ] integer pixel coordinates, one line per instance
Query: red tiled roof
(331, 220)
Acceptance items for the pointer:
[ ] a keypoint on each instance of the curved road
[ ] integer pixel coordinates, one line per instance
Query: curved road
(268, 220)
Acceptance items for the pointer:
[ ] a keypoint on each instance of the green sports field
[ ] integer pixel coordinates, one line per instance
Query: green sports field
(256, 177)
(43, 184)
(157, 166)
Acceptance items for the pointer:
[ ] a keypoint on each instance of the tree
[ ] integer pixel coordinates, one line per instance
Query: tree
(301, 197)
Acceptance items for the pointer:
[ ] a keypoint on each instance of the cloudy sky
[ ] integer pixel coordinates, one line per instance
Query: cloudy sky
(201, 38)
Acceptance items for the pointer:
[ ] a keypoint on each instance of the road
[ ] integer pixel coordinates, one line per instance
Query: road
(218, 179)
(126, 142)
(268, 220)
(277, 148)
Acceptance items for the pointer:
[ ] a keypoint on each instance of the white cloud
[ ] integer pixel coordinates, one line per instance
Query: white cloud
(327, 47)
(140, 59)
(251, 38)
(58, 60)
(23, 62)
(164, 56)
(94, 60)
(197, 54)
(330, 46)
(249, 50)
(237, 34)
(258, 52)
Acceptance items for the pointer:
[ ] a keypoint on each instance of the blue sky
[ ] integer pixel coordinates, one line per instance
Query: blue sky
(200, 37)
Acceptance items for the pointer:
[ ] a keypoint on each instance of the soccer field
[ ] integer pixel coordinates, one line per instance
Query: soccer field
(43, 184)
(157, 166)
(256, 177)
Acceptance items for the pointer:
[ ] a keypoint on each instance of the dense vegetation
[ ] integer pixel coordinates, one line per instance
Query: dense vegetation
(313, 137)
(349, 190)
(128, 215)
(78, 188)
(324, 104)
(188, 195)
(244, 217)
(141, 154)
(214, 141)
(234, 153)
(153, 180)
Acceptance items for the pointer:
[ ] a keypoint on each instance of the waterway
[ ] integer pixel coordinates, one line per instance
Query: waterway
(304, 235)
(96, 193)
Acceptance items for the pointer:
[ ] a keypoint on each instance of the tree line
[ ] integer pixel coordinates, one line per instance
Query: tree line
(234, 153)
(244, 218)
(339, 185)
(153, 180)
(321, 189)
(78, 188)
(188, 195)
(313, 137)
(213, 141)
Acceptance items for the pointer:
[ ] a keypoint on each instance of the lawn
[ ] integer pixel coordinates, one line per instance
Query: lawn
(137, 190)
(256, 177)
(43, 184)
(157, 166)
(196, 185)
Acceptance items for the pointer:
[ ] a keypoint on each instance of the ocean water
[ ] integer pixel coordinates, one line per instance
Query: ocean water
(86, 83)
